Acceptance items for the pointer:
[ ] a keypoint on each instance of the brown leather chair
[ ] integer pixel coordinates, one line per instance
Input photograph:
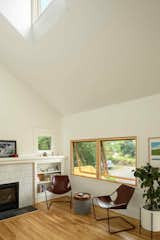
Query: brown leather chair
(123, 195)
(60, 185)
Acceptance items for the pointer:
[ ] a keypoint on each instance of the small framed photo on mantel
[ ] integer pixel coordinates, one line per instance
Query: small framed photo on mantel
(154, 151)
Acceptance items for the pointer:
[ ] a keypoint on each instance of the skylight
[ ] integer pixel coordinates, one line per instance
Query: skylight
(38, 7)
(44, 4)
(23, 13)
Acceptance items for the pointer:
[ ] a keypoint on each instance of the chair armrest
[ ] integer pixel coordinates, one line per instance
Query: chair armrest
(109, 195)
(101, 196)
(104, 199)
(119, 206)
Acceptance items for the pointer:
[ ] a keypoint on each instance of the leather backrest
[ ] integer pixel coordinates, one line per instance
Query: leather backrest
(124, 194)
(60, 184)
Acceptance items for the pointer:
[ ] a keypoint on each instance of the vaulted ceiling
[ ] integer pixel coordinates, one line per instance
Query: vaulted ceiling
(96, 53)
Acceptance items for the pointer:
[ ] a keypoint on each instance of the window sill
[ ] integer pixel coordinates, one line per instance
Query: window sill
(106, 180)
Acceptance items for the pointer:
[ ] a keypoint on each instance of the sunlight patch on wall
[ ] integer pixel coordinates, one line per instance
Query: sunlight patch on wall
(18, 14)
(31, 17)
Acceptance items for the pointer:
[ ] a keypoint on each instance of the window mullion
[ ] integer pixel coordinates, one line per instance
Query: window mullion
(98, 158)
(104, 160)
(78, 157)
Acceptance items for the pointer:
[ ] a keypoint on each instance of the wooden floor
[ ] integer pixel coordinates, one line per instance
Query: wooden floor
(60, 223)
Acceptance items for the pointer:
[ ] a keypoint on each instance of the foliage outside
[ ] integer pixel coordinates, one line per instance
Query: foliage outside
(86, 153)
(150, 181)
(121, 152)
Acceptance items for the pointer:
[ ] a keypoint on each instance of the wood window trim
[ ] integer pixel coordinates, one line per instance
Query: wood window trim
(106, 180)
(98, 158)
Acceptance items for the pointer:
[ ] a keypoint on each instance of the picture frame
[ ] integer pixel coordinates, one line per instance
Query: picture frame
(8, 148)
(154, 151)
(44, 141)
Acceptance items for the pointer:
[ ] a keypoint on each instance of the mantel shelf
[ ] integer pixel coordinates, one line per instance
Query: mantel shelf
(43, 182)
(48, 172)
(30, 160)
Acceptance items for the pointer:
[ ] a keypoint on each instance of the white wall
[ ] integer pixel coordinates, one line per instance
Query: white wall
(22, 111)
(139, 118)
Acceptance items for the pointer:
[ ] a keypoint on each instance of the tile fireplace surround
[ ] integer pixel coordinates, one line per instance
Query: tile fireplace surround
(22, 173)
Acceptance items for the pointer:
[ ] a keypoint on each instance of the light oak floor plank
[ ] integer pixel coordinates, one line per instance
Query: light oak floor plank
(60, 223)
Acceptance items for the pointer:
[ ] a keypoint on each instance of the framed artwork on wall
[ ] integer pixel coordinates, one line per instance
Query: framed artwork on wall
(154, 151)
(44, 142)
(8, 149)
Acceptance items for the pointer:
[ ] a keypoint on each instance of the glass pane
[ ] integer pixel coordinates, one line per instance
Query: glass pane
(44, 4)
(84, 159)
(119, 160)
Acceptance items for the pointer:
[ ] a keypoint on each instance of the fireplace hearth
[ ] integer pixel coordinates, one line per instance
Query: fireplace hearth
(9, 196)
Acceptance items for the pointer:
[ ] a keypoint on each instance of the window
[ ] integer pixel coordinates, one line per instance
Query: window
(111, 159)
(118, 159)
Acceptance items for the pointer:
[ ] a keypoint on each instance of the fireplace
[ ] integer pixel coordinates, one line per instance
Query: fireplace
(9, 196)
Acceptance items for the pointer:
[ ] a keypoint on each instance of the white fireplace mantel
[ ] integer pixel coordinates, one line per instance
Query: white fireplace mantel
(24, 171)
(30, 159)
